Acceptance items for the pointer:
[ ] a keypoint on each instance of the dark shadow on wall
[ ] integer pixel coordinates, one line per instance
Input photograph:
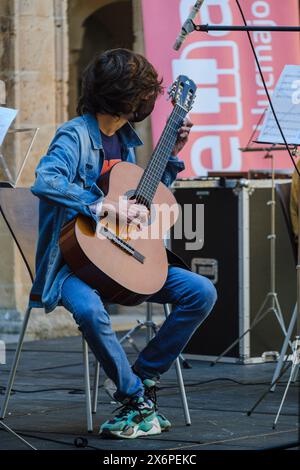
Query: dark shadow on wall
(107, 28)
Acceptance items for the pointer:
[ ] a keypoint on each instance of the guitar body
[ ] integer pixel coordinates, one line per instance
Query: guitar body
(117, 275)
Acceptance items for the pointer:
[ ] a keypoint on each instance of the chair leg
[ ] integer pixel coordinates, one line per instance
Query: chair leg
(185, 405)
(87, 387)
(15, 363)
(180, 380)
(96, 385)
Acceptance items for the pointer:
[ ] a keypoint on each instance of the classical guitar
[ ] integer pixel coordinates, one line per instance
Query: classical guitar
(128, 263)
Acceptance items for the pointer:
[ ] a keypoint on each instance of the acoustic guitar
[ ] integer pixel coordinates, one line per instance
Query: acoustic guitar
(127, 263)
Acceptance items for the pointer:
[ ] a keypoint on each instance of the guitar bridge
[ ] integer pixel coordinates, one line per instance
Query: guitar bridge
(122, 245)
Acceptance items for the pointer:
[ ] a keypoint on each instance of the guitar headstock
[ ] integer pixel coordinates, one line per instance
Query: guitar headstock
(183, 92)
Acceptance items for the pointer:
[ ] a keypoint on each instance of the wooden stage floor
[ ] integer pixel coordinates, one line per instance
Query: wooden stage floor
(48, 403)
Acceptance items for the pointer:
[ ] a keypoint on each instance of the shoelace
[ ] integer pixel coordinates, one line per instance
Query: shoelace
(126, 408)
(151, 394)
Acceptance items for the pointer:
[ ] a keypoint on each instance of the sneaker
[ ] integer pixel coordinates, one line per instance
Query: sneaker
(136, 418)
(150, 394)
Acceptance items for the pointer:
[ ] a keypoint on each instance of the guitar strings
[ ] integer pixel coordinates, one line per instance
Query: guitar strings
(154, 172)
(154, 163)
(170, 134)
(146, 189)
(156, 166)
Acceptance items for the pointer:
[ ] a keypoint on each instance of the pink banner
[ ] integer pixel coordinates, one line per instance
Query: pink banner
(230, 97)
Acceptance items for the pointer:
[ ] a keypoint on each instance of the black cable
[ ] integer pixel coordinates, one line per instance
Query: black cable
(227, 379)
(288, 445)
(51, 351)
(8, 349)
(72, 391)
(194, 384)
(266, 89)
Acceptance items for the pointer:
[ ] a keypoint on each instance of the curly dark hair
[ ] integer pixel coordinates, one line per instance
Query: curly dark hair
(116, 81)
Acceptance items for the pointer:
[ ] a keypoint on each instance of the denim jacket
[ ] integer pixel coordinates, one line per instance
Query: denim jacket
(66, 185)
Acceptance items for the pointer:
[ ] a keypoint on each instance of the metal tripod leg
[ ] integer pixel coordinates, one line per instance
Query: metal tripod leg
(87, 386)
(284, 348)
(294, 370)
(180, 380)
(15, 363)
(11, 431)
(96, 386)
(151, 331)
(282, 372)
(128, 337)
(149, 316)
(278, 313)
(259, 316)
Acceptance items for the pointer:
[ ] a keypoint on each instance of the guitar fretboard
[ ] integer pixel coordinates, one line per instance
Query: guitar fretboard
(153, 173)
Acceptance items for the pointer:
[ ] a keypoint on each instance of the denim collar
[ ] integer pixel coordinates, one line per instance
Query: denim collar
(127, 133)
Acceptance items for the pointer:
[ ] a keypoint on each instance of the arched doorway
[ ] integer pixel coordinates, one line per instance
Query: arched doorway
(107, 27)
(96, 25)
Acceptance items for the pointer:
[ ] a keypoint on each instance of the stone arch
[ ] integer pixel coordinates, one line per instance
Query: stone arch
(79, 12)
(82, 16)
(100, 33)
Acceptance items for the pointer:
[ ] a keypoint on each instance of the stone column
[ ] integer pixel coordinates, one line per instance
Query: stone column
(61, 33)
(33, 64)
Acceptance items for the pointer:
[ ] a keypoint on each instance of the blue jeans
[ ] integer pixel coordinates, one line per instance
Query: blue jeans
(193, 297)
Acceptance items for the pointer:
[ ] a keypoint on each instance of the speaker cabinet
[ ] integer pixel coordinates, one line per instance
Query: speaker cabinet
(236, 257)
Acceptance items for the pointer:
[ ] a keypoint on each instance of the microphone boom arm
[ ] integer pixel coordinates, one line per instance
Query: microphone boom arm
(206, 28)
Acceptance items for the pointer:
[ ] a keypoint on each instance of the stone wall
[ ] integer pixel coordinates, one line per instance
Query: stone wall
(33, 65)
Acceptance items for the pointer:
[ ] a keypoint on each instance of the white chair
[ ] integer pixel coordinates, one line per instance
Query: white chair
(19, 209)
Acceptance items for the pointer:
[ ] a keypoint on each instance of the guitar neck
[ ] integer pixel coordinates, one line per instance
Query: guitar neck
(158, 162)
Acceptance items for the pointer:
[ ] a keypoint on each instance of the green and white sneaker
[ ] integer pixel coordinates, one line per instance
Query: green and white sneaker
(136, 418)
(150, 393)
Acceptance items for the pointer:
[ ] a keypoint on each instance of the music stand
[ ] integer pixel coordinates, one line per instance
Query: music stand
(271, 297)
(10, 182)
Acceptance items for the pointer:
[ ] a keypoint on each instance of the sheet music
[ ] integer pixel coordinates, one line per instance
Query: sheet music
(286, 102)
(7, 115)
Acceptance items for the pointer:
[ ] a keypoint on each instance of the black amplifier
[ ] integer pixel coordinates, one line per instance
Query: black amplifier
(236, 256)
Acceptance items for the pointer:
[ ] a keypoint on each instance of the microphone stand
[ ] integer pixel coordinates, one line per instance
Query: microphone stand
(295, 356)
(206, 28)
